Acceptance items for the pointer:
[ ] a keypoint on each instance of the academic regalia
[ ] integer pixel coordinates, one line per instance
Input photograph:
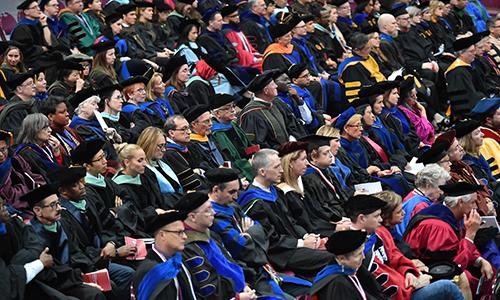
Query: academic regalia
(68, 138)
(29, 33)
(245, 53)
(297, 204)
(16, 180)
(480, 167)
(13, 281)
(87, 28)
(137, 47)
(204, 153)
(441, 31)
(143, 112)
(440, 238)
(175, 21)
(148, 35)
(387, 139)
(61, 88)
(256, 29)
(346, 26)
(40, 159)
(269, 209)
(233, 144)
(123, 126)
(269, 123)
(388, 265)
(411, 207)
(90, 130)
(395, 120)
(460, 87)
(179, 99)
(460, 21)
(179, 159)
(166, 37)
(14, 112)
(162, 278)
(358, 173)
(325, 46)
(281, 58)
(490, 150)
(324, 196)
(486, 75)
(215, 274)
(302, 47)
(417, 47)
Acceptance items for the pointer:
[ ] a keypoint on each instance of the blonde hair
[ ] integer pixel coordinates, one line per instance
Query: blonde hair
(126, 151)
(149, 88)
(392, 201)
(468, 145)
(286, 163)
(354, 119)
(433, 5)
(328, 131)
(147, 140)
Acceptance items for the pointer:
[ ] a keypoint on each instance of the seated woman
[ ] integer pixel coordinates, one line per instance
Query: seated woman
(17, 177)
(294, 161)
(37, 146)
(188, 45)
(12, 62)
(155, 92)
(136, 110)
(345, 277)
(103, 70)
(414, 111)
(112, 31)
(153, 141)
(176, 73)
(426, 193)
(470, 137)
(395, 119)
(362, 152)
(143, 190)
(41, 87)
(68, 82)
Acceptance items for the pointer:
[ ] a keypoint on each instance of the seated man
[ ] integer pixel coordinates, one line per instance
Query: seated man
(204, 152)
(398, 275)
(86, 230)
(291, 247)
(223, 278)
(162, 275)
(177, 154)
(82, 27)
(231, 140)
(435, 233)
(47, 227)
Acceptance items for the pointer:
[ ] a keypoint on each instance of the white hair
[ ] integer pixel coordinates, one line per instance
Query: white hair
(431, 176)
(88, 100)
(384, 19)
(453, 201)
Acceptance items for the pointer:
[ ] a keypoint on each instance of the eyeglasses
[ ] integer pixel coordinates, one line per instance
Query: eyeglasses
(34, 7)
(179, 233)
(305, 75)
(162, 147)
(206, 122)
(233, 15)
(52, 205)
(185, 129)
(141, 90)
(28, 83)
(357, 126)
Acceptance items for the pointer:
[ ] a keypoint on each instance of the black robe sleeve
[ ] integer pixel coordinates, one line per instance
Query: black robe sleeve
(12, 281)
(276, 61)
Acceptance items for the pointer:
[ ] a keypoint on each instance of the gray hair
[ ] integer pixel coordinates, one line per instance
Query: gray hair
(413, 11)
(260, 160)
(431, 175)
(252, 3)
(89, 99)
(453, 201)
(30, 127)
(384, 19)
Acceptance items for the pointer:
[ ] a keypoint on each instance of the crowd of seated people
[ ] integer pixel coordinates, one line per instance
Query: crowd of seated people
(226, 149)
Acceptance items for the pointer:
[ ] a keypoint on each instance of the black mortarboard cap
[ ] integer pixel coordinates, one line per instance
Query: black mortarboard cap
(434, 154)
(207, 15)
(345, 241)
(285, 23)
(466, 42)
(84, 153)
(66, 175)
(25, 4)
(190, 2)
(194, 112)
(316, 141)
(338, 3)
(221, 175)
(378, 88)
(81, 96)
(219, 100)
(465, 127)
(290, 147)
(18, 79)
(363, 204)
(108, 88)
(103, 45)
(228, 10)
(162, 6)
(407, 85)
(144, 4)
(174, 63)
(344, 117)
(126, 8)
(133, 80)
(295, 70)
(260, 81)
(112, 18)
(164, 219)
(460, 188)
(37, 195)
(308, 18)
(399, 9)
(191, 201)
(69, 64)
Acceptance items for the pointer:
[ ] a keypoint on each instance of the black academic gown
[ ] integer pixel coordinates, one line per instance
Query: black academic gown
(411, 141)
(255, 32)
(123, 126)
(14, 112)
(32, 39)
(165, 289)
(180, 163)
(137, 47)
(460, 24)
(284, 233)
(461, 89)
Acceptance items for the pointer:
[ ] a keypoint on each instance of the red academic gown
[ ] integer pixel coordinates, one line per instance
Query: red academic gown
(433, 236)
(389, 266)
(244, 50)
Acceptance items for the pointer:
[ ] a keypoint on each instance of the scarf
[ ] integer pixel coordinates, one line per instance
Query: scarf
(5, 168)
(165, 186)
(167, 169)
(355, 151)
(95, 181)
(51, 227)
(80, 205)
(111, 117)
(254, 193)
(127, 179)
(161, 272)
(223, 266)
(333, 269)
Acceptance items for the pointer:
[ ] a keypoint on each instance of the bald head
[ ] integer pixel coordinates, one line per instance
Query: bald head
(387, 24)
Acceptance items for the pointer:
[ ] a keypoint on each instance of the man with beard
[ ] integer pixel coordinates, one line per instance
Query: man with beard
(50, 234)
